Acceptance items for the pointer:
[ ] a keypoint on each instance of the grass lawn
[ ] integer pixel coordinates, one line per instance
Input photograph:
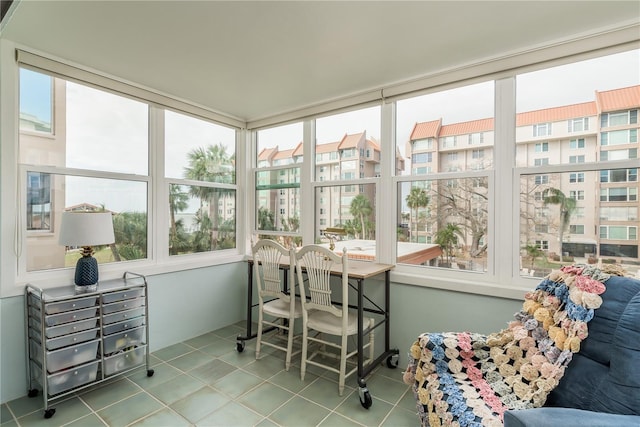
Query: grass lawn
(103, 255)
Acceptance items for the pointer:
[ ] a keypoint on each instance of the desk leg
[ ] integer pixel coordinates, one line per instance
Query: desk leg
(240, 340)
(393, 355)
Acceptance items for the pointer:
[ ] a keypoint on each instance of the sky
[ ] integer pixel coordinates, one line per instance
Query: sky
(109, 132)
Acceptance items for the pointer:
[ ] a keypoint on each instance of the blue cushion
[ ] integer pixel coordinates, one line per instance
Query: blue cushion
(552, 417)
(605, 375)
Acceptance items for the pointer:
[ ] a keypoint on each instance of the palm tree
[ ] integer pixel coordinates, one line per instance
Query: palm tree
(177, 203)
(533, 252)
(130, 229)
(553, 196)
(210, 164)
(447, 238)
(416, 199)
(361, 209)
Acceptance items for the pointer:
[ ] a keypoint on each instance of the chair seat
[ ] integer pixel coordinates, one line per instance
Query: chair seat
(280, 308)
(326, 322)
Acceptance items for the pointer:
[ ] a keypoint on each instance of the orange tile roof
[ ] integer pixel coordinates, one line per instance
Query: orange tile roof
(266, 153)
(284, 154)
(473, 126)
(425, 130)
(327, 148)
(351, 141)
(556, 114)
(618, 99)
(298, 150)
(373, 144)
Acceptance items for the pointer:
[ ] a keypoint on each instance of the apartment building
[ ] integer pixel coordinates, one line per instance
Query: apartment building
(603, 214)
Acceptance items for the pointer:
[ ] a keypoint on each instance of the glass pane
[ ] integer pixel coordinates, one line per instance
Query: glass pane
(558, 210)
(202, 219)
(443, 223)
(36, 90)
(278, 200)
(348, 145)
(126, 200)
(446, 131)
(199, 150)
(346, 217)
(104, 131)
(555, 107)
(280, 146)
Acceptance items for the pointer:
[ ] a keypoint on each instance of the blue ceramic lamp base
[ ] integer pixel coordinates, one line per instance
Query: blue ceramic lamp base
(86, 278)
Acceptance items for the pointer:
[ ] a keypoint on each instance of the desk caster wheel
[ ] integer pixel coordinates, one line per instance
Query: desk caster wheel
(365, 398)
(49, 413)
(150, 372)
(392, 361)
(240, 346)
(33, 392)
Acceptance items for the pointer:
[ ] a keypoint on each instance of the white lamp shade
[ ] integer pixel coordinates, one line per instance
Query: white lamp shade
(86, 229)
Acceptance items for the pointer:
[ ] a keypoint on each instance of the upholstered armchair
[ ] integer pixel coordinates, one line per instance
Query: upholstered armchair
(571, 356)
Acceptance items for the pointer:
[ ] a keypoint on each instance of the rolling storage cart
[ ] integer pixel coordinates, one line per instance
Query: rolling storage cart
(76, 340)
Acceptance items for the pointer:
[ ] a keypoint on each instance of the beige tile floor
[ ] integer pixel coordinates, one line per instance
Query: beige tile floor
(205, 382)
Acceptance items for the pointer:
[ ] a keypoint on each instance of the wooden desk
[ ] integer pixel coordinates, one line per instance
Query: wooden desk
(358, 272)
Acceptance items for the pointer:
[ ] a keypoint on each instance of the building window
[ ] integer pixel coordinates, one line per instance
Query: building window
(619, 137)
(576, 195)
(620, 118)
(476, 138)
(542, 147)
(576, 159)
(541, 162)
(542, 129)
(620, 194)
(576, 177)
(576, 229)
(631, 153)
(576, 143)
(578, 125)
(477, 154)
(38, 201)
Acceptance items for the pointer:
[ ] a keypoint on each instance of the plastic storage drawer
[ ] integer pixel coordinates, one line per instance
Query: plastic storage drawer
(71, 378)
(66, 357)
(123, 315)
(76, 304)
(123, 361)
(122, 305)
(70, 316)
(69, 328)
(66, 340)
(122, 295)
(123, 326)
(129, 338)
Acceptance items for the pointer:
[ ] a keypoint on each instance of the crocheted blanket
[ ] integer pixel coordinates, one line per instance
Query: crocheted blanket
(467, 379)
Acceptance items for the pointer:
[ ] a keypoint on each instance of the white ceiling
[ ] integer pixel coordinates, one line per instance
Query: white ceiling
(254, 59)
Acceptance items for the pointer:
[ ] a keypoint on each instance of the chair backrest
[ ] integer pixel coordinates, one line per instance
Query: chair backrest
(318, 262)
(605, 375)
(268, 256)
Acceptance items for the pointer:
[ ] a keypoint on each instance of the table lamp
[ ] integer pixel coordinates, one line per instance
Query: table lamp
(86, 229)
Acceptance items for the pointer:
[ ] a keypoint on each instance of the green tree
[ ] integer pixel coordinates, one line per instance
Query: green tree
(266, 219)
(447, 238)
(210, 164)
(361, 209)
(533, 252)
(416, 199)
(178, 239)
(130, 230)
(553, 196)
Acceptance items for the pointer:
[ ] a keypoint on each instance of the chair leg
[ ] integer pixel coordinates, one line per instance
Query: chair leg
(303, 362)
(287, 362)
(259, 336)
(343, 365)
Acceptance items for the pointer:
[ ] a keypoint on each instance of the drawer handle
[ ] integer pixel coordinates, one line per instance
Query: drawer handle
(124, 295)
(74, 328)
(124, 305)
(75, 372)
(126, 325)
(73, 305)
(74, 316)
(75, 339)
(126, 335)
(124, 315)
(75, 350)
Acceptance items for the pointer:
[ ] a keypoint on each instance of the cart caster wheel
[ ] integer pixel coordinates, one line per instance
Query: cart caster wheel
(240, 346)
(392, 361)
(150, 372)
(49, 412)
(33, 392)
(365, 399)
